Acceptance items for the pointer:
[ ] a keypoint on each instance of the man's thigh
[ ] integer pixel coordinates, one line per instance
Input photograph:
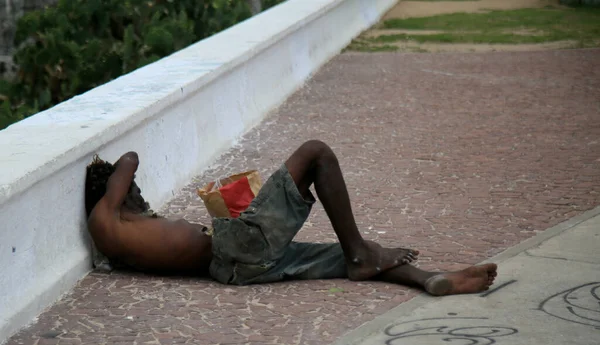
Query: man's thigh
(313, 261)
(279, 211)
(256, 241)
(301, 261)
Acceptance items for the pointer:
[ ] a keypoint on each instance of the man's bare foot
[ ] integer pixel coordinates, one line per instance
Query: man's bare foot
(374, 259)
(471, 280)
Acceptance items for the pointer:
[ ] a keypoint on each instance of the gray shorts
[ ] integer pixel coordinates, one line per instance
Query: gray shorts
(257, 247)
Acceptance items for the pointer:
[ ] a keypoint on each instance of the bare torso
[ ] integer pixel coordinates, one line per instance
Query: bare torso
(147, 244)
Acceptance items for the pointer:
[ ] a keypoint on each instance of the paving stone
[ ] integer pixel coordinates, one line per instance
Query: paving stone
(458, 155)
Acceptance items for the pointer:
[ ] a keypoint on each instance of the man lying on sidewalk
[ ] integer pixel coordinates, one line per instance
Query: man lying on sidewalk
(257, 246)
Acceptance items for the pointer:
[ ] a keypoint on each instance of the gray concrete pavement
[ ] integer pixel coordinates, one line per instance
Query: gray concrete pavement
(549, 294)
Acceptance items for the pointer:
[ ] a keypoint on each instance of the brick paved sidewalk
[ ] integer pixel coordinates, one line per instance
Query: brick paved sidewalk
(458, 155)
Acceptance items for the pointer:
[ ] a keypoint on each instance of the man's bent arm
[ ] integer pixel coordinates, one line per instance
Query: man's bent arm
(119, 182)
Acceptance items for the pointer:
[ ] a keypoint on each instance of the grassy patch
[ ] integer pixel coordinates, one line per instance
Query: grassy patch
(555, 24)
(477, 38)
(524, 26)
(365, 46)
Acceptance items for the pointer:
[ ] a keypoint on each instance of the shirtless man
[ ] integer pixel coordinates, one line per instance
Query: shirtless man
(258, 246)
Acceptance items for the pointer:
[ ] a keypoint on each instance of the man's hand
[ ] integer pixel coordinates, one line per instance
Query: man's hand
(119, 182)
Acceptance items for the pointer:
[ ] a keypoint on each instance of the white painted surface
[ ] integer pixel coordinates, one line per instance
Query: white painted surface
(179, 114)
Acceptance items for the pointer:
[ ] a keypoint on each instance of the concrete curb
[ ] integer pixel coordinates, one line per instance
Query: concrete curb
(179, 114)
(377, 325)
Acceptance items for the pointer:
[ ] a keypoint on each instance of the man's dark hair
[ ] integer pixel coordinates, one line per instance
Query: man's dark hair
(96, 179)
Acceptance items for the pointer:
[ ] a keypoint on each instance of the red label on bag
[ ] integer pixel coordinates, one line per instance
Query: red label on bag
(237, 196)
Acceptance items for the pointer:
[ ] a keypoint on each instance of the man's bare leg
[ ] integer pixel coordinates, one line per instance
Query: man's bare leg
(470, 280)
(315, 162)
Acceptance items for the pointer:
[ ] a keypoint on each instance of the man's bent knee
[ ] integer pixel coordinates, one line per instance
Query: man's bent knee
(316, 149)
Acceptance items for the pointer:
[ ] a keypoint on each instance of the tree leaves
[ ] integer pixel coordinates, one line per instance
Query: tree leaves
(77, 45)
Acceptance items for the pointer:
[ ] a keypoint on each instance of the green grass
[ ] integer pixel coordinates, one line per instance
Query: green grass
(553, 24)
(477, 38)
(364, 46)
(524, 26)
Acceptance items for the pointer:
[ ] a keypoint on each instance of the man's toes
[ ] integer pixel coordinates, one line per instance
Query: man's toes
(405, 256)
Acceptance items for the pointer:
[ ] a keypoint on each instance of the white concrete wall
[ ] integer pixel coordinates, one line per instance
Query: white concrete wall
(179, 114)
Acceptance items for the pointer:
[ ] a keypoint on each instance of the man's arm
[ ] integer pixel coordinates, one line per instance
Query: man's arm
(119, 182)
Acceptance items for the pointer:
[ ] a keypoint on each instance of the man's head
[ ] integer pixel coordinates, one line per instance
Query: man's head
(97, 176)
